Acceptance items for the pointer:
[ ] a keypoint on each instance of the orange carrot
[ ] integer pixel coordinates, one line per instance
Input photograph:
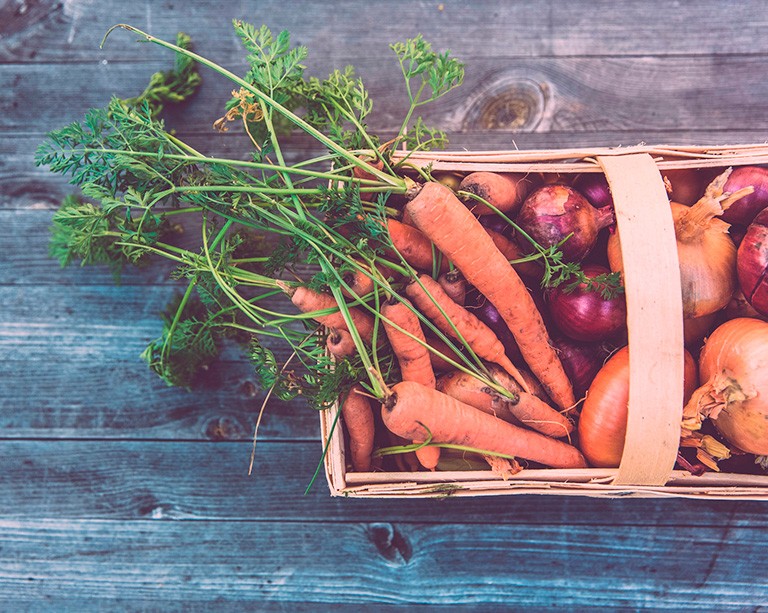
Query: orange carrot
(405, 462)
(411, 408)
(340, 343)
(505, 191)
(357, 415)
(360, 282)
(439, 363)
(454, 285)
(431, 300)
(526, 408)
(460, 236)
(470, 390)
(412, 356)
(415, 248)
(360, 173)
(309, 301)
(512, 251)
(401, 325)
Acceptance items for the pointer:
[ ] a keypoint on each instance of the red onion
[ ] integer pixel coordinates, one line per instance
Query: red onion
(496, 223)
(553, 212)
(581, 361)
(744, 210)
(489, 315)
(584, 315)
(594, 187)
(752, 263)
(687, 185)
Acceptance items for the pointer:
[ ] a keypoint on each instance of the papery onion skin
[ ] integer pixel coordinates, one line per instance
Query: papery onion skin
(744, 210)
(584, 315)
(553, 212)
(603, 420)
(707, 266)
(737, 352)
(752, 264)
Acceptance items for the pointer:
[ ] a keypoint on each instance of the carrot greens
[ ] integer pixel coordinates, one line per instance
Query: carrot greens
(141, 188)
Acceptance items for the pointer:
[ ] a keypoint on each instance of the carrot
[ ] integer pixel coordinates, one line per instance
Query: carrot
(505, 191)
(405, 462)
(412, 356)
(460, 236)
(360, 173)
(360, 282)
(450, 317)
(454, 285)
(439, 363)
(512, 251)
(403, 329)
(340, 343)
(357, 414)
(526, 409)
(470, 390)
(410, 408)
(309, 301)
(415, 248)
(405, 218)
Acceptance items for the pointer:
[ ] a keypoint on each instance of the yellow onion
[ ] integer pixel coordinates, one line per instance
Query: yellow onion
(603, 419)
(733, 366)
(706, 252)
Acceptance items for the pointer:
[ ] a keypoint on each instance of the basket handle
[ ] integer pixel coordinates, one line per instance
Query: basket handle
(654, 318)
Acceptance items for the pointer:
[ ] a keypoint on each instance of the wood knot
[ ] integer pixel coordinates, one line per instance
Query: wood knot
(390, 543)
(509, 104)
(225, 428)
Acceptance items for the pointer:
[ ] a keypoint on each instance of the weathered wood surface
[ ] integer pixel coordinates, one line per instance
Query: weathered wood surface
(121, 493)
(384, 562)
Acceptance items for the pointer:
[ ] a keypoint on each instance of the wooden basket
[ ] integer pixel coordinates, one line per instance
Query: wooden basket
(655, 333)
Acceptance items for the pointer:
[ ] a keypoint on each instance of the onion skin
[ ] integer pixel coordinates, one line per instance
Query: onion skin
(707, 264)
(584, 315)
(687, 184)
(744, 210)
(603, 420)
(739, 307)
(581, 362)
(552, 212)
(752, 264)
(490, 316)
(594, 187)
(734, 366)
(697, 328)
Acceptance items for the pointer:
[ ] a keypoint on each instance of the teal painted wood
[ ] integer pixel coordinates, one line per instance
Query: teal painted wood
(120, 493)
(628, 568)
(48, 30)
(126, 480)
(561, 94)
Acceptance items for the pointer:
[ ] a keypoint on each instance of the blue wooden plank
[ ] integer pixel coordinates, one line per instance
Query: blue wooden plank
(188, 480)
(390, 563)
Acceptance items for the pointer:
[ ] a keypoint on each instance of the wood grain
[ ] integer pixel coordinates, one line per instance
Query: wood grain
(120, 398)
(192, 480)
(120, 493)
(383, 562)
(47, 30)
(574, 94)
